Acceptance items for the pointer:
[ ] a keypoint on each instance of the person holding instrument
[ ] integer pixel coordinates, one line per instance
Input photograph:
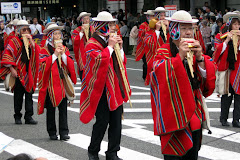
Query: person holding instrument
(23, 66)
(140, 51)
(103, 91)
(229, 61)
(55, 59)
(178, 107)
(80, 37)
(155, 38)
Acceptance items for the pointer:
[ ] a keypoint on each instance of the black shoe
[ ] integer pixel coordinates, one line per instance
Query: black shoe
(113, 158)
(236, 124)
(18, 121)
(225, 123)
(93, 156)
(64, 137)
(31, 121)
(54, 137)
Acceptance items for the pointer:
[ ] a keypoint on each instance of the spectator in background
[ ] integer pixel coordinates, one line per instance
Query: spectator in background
(200, 13)
(35, 27)
(206, 32)
(133, 37)
(67, 27)
(227, 10)
(120, 15)
(143, 17)
(125, 35)
(218, 13)
(130, 20)
(208, 12)
(205, 6)
(74, 25)
(137, 19)
(41, 23)
(219, 22)
(214, 25)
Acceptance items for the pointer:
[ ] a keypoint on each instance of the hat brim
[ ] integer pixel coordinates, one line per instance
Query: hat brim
(53, 28)
(146, 13)
(87, 14)
(23, 24)
(180, 21)
(225, 17)
(96, 19)
(154, 11)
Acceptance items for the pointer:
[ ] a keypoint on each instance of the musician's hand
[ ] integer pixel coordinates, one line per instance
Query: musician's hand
(119, 41)
(165, 22)
(235, 32)
(112, 41)
(58, 50)
(197, 50)
(13, 72)
(29, 36)
(83, 28)
(183, 49)
(229, 36)
(158, 25)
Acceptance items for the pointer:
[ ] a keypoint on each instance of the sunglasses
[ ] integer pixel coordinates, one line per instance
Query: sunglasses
(26, 29)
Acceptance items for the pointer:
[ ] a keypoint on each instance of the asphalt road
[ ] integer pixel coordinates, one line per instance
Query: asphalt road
(138, 141)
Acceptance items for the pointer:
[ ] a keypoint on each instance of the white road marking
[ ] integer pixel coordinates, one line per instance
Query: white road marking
(18, 146)
(83, 141)
(217, 154)
(133, 59)
(134, 69)
(4, 141)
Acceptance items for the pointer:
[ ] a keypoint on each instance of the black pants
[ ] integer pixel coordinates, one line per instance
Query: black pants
(104, 117)
(125, 45)
(192, 154)
(51, 124)
(19, 92)
(226, 102)
(80, 73)
(144, 67)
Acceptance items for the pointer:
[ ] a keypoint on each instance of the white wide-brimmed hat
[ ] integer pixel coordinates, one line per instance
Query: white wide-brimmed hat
(52, 27)
(22, 23)
(238, 12)
(49, 23)
(83, 14)
(159, 9)
(149, 12)
(182, 17)
(15, 22)
(230, 14)
(104, 17)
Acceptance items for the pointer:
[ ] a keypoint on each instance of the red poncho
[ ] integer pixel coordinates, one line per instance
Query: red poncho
(98, 74)
(79, 46)
(144, 28)
(49, 78)
(198, 36)
(176, 108)
(223, 64)
(151, 45)
(12, 56)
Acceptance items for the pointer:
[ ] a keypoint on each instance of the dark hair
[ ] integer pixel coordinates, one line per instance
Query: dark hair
(34, 18)
(219, 20)
(213, 18)
(233, 21)
(21, 156)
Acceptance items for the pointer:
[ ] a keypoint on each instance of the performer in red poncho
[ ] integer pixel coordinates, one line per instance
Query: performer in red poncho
(224, 56)
(80, 39)
(154, 39)
(178, 108)
(140, 51)
(52, 92)
(44, 39)
(10, 32)
(15, 61)
(102, 90)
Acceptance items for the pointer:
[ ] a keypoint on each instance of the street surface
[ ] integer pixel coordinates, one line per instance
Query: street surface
(138, 141)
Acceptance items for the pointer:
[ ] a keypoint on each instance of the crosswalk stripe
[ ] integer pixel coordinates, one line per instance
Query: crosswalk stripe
(18, 146)
(217, 153)
(83, 141)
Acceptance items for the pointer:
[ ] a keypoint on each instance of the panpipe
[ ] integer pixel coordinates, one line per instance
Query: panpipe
(26, 44)
(86, 30)
(56, 43)
(122, 68)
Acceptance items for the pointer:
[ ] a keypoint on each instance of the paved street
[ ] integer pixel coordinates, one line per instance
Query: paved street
(138, 141)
